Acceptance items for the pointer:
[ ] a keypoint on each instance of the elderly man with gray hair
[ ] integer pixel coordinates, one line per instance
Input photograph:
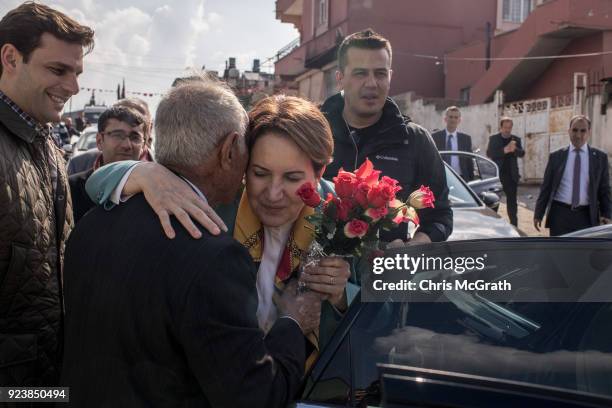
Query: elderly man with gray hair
(157, 322)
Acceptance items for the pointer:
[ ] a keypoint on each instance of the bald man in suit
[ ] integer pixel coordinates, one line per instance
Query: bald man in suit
(575, 193)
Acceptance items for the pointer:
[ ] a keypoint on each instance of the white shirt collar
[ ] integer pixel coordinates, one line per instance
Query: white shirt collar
(584, 148)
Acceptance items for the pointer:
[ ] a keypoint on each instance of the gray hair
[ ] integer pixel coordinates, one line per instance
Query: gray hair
(193, 118)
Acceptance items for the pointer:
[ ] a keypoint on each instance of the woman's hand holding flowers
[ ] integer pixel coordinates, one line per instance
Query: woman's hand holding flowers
(328, 277)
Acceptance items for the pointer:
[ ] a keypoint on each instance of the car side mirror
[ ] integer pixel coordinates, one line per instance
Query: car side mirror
(490, 199)
(67, 148)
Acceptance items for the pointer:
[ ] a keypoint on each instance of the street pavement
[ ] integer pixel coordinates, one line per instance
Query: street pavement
(526, 197)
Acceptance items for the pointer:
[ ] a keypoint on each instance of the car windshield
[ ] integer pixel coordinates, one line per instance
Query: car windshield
(87, 141)
(92, 117)
(458, 193)
(556, 343)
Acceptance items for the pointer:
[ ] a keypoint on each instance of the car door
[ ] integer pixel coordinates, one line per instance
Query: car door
(484, 172)
(549, 337)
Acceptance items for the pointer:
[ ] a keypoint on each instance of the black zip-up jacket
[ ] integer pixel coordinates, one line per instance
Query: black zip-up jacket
(400, 149)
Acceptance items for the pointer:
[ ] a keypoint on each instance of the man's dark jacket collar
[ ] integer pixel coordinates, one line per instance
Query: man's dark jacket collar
(391, 119)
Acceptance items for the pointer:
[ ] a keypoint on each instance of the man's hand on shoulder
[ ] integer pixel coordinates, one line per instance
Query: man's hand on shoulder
(168, 194)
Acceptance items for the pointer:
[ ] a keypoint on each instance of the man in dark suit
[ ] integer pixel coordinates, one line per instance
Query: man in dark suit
(504, 148)
(575, 193)
(121, 136)
(451, 140)
(157, 322)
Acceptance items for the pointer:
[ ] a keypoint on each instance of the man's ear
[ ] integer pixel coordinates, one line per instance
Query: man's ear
(339, 77)
(228, 151)
(99, 140)
(9, 55)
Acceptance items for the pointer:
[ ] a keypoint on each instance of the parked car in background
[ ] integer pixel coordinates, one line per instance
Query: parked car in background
(462, 348)
(86, 141)
(485, 180)
(92, 113)
(472, 218)
(84, 152)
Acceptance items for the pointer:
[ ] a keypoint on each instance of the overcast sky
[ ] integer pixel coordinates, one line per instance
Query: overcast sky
(150, 42)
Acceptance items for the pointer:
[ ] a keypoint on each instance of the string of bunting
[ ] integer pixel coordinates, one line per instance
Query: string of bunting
(146, 94)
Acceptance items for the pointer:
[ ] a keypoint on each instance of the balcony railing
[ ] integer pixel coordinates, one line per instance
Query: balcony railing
(322, 49)
(286, 50)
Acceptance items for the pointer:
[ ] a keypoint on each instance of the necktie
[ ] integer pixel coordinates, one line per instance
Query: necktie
(449, 147)
(576, 181)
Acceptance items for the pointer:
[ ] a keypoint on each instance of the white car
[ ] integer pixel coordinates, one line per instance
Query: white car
(86, 141)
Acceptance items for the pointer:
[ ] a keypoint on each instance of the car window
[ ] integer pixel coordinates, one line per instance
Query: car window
(87, 141)
(92, 117)
(484, 168)
(560, 344)
(473, 167)
(458, 193)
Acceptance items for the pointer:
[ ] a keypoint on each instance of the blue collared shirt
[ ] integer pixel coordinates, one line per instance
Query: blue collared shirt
(564, 192)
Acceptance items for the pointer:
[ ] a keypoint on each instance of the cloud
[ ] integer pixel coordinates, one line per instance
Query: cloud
(151, 42)
(214, 18)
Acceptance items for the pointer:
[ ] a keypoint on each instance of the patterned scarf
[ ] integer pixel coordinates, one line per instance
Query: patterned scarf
(248, 230)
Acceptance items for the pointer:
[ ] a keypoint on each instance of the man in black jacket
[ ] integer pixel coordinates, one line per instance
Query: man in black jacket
(157, 322)
(575, 192)
(366, 123)
(121, 136)
(450, 139)
(504, 148)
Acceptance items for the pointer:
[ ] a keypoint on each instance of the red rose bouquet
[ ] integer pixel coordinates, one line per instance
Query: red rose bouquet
(364, 204)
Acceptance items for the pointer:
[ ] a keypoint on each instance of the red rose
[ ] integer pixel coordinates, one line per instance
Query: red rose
(407, 214)
(343, 208)
(309, 195)
(391, 182)
(361, 194)
(381, 194)
(345, 184)
(376, 213)
(367, 174)
(355, 229)
(365, 169)
(422, 198)
(338, 207)
(329, 204)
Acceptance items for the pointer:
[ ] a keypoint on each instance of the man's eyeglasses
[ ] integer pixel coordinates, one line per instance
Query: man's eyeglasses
(579, 130)
(119, 135)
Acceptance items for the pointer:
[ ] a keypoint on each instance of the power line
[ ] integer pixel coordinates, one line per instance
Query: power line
(542, 57)
(138, 67)
(120, 76)
(148, 56)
